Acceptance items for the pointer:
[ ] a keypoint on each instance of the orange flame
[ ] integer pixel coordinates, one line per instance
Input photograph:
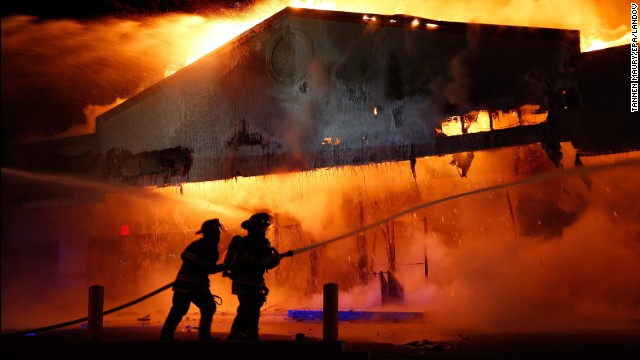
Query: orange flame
(186, 38)
(482, 120)
(596, 31)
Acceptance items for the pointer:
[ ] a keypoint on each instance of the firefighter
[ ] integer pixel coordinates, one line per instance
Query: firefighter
(248, 258)
(199, 259)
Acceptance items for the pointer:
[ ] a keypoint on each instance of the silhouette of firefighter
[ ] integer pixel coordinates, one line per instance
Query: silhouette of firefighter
(199, 259)
(248, 258)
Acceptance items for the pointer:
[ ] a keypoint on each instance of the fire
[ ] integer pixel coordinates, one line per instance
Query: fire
(589, 18)
(368, 18)
(155, 47)
(312, 207)
(328, 202)
(211, 33)
(482, 120)
(313, 4)
(478, 244)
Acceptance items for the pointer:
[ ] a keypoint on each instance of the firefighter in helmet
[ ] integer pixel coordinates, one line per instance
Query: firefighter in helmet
(199, 259)
(248, 258)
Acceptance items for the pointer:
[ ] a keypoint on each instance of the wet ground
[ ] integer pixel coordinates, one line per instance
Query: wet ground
(282, 339)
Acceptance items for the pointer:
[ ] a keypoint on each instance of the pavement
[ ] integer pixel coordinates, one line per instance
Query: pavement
(303, 341)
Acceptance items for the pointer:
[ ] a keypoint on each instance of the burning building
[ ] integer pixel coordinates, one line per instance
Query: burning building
(337, 123)
(309, 89)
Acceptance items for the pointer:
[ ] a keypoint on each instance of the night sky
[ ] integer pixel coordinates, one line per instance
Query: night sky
(72, 9)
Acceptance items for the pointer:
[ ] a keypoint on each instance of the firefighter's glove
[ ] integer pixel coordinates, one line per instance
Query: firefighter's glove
(272, 260)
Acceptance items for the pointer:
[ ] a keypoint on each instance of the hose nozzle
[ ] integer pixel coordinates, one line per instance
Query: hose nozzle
(286, 254)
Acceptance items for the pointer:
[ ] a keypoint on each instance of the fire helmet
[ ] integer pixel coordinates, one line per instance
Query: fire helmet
(258, 221)
(212, 225)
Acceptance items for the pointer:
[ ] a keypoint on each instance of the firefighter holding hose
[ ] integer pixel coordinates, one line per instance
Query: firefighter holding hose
(199, 259)
(248, 258)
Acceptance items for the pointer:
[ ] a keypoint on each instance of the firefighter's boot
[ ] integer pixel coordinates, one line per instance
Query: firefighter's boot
(204, 330)
(168, 329)
(236, 334)
(243, 335)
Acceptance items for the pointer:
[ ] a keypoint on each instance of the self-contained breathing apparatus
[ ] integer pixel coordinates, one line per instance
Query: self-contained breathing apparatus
(243, 264)
(231, 258)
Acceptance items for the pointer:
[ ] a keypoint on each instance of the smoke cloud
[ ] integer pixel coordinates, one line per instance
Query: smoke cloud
(483, 273)
(53, 69)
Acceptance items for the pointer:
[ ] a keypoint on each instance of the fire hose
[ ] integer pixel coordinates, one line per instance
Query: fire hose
(290, 253)
(110, 311)
(77, 321)
(534, 179)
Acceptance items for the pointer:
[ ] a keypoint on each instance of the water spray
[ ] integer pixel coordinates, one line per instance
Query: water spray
(530, 180)
(543, 177)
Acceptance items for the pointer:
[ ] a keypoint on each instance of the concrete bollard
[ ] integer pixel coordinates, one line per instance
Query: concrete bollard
(96, 304)
(330, 313)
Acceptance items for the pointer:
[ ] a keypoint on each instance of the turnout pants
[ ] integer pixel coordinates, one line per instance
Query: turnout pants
(181, 301)
(245, 324)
